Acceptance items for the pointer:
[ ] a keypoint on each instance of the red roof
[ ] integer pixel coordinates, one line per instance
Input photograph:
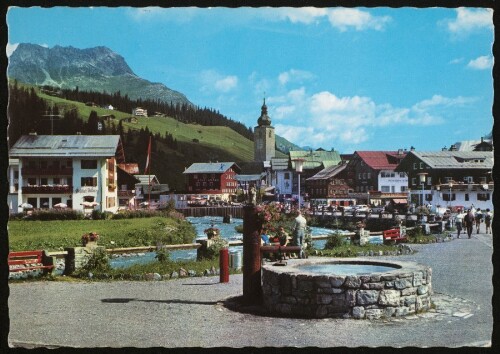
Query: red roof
(381, 160)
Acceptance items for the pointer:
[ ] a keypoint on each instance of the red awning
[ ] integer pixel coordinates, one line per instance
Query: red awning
(400, 201)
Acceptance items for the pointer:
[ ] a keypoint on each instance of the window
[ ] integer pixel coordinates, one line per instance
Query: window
(44, 203)
(448, 179)
(16, 175)
(56, 180)
(89, 182)
(385, 189)
(482, 180)
(421, 165)
(33, 201)
(44, 181)
(428, 197)
(429, 181)
(466, 197)
(393, 189)
(270, 134)
(404, 188)
(55, 201)
(364, 175)
(110, 202)
(368, 175)
(402, 174)
(88, 164)
(483, 196)
(413, 181)
(414, 165)
(31, 182)
(88, 198)
(446, 196)
(360, 175)
(468, 179)
(287, 175)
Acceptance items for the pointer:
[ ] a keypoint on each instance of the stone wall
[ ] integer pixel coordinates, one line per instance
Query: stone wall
(289, 292)
(77, 257)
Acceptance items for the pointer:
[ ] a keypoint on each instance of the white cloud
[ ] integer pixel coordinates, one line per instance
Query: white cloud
(213, 81)
(326, 119)
(481, 63)
(346, 18)
(456, 61)
(294, 75)
(226, 84)
(470, 20)
(10, 48)
(340, 18)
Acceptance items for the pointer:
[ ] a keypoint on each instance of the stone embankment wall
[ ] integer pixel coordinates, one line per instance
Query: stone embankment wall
(289, 292)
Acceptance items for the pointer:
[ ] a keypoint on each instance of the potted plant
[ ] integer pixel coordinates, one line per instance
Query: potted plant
(212, 232)
(90, 238)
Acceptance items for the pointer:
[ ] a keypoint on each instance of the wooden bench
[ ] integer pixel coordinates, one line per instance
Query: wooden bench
(30, 260)
(393, 236)
(280, 251)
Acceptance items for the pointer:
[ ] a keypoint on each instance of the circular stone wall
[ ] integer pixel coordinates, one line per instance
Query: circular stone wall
(290, 291)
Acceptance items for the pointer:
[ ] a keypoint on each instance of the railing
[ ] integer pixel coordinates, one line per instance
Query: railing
(234, 211)
(63, 171)
(63, 189)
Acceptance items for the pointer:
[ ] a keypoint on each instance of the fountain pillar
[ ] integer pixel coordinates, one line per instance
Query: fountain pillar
(252, 288)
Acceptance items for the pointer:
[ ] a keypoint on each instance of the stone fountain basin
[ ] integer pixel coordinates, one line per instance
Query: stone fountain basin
(401, 289)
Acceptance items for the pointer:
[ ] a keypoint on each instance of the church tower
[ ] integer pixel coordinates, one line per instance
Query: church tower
(264, 139)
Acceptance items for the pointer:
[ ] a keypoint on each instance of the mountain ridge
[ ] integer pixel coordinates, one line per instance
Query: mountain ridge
(94, 69)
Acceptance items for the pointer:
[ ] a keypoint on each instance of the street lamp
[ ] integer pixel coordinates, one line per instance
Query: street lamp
(450, 184)
(299, 163)
(422, 177)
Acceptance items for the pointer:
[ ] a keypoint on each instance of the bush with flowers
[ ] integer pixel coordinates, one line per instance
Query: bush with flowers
(212, 232)
(273, 216)
(88, 237)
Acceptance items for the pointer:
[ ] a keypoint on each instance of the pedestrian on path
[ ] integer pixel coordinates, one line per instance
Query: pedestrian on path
(487, 221)
(479, 219)
(469, 222)
(459, 219)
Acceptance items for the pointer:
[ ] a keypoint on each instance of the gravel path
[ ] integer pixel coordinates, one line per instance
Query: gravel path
(190, 312)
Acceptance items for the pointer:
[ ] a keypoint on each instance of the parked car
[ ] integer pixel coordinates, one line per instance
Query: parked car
(362, 208)
(378, 209)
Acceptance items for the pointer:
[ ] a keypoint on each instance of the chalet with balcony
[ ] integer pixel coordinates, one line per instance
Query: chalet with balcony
(374, 179)
(330, 187)
(212, 178)
(450, 178)
(75, 170)
(139, 112)
(149, 190)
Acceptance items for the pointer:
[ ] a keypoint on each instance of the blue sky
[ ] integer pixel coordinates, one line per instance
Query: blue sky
(349, 79)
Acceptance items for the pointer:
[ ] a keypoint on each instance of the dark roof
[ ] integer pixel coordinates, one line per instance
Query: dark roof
(210, 167)
(328, 172)
(68, 146)
(456, 159)
(381, 160)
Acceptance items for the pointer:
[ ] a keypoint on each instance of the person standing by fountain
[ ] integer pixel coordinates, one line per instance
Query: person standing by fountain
(299, 232)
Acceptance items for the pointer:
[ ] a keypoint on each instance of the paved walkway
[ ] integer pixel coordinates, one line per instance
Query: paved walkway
(192, 313)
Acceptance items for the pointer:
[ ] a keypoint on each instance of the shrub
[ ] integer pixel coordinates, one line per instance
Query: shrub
(98, 263)
(162, 255)
(51, 214)
(334, 240)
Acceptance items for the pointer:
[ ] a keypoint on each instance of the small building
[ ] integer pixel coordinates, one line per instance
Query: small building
(450, 178)
(78, 171)
(330, 187)
(212, 178)
(140, 112)
(148, 190)
(374, 171)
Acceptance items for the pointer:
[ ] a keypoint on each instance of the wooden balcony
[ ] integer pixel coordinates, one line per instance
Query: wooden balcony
(64, 171)
(60, 189)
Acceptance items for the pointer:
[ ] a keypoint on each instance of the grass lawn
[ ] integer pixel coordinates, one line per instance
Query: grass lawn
(55, 235)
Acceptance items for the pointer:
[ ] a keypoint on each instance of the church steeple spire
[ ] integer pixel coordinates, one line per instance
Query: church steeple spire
(264, 118)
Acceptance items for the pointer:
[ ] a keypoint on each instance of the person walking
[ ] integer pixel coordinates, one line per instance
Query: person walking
(479, 219)
(487, 221)
(459, 219)
(469, 222)
(299, 231)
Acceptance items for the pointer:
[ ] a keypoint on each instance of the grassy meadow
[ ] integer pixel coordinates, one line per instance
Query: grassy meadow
(57, 234)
